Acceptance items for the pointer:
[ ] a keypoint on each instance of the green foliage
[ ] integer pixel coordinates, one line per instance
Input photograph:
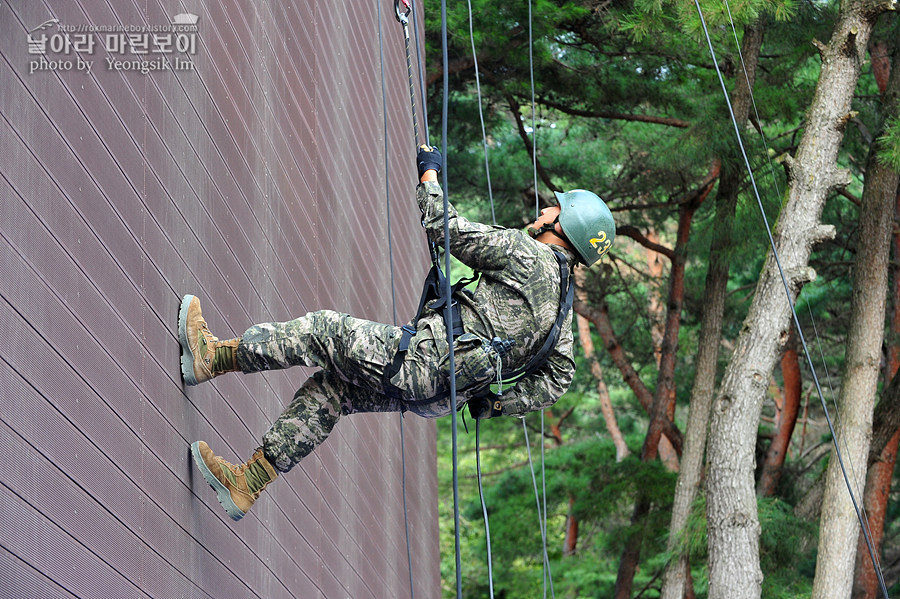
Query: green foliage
(601, 492)
(889, 151)
(629, 105)
(787, 551)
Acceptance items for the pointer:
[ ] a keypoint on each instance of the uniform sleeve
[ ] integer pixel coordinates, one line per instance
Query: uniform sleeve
(546, 385)
(474, 244)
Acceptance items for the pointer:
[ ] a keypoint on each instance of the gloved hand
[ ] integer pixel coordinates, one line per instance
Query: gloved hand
(484, 405)
(428, 159)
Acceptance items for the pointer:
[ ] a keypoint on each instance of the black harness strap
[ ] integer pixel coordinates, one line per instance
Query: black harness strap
(566, 297)
(431, 292)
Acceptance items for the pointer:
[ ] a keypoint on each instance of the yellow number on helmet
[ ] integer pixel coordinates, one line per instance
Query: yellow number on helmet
(600, 243)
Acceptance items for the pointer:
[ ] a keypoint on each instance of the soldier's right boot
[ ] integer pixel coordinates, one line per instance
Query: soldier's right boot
(237, 486)
(203, 355)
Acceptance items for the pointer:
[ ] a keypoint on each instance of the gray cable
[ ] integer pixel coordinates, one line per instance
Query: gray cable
(387, 193)
(540, 517)
(487, 528)
(837, 449)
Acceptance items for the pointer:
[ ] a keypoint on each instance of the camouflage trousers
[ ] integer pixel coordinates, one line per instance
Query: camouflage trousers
(353, 355)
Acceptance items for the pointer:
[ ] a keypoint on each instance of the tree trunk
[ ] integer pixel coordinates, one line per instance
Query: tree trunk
(571, 540)
(839, 526)
(878, 488)
(570, 544)
(881, 470)
(655, 306)
(689, 477)
(631, 556)
(787, 419)
(600, 319)
(733, 522)
(587, 344)
(663, 408)
(886, 420)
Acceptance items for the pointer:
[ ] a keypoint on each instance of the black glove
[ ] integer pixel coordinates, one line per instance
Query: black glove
(428, 159)
(485, 405)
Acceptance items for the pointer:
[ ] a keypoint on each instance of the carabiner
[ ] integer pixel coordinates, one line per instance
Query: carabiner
(402, 17)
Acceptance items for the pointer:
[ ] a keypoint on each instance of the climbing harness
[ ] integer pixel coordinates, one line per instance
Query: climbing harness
(566, 297)
(432, 299)
(796, 320)
(432, 296)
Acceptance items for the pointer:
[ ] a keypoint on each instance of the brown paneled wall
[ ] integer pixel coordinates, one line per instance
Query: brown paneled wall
(250, 172)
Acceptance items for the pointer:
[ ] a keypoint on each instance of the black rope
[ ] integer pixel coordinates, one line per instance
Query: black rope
(403, 18)
(387, 193)
(448, 304)
(487, 170)
(837, 449)
(487, 528)
(537, 212)
(542, 518)
(421, 69)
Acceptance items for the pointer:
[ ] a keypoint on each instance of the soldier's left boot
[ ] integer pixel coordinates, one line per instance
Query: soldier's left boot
(203, 355)
(237, 486)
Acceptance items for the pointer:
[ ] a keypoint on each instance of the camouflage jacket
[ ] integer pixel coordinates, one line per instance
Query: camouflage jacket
(517, 297)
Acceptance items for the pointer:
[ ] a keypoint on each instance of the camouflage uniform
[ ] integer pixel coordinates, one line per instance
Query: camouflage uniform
(517, 297)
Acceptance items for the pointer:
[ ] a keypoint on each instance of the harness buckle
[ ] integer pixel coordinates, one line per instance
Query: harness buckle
(408, 333)
(502, 346)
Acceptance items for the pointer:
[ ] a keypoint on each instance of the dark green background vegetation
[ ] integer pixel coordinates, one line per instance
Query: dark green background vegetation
(595, 63)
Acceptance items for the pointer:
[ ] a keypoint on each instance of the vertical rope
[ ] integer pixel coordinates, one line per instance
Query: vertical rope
(537, 212)
(537, 198)
(487, 166)
(421, 70)
(487, 170)
(409, 76)
(448, 304)
(544, 496)
(446, 291)
(387, 193)
(540, 517)
(487, 527)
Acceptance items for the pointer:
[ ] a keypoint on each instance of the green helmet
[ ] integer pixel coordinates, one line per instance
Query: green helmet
(587, 223)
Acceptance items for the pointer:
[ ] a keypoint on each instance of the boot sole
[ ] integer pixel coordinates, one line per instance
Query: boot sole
(187, 356)
(222, 492)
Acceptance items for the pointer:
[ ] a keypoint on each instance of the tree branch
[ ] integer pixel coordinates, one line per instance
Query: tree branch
(456, 65)
(514, 108)
(619, 116)
(697, 195)
(633, 232)
(600, 319)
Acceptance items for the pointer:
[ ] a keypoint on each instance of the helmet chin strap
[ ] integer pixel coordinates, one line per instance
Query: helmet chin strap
(548, 228)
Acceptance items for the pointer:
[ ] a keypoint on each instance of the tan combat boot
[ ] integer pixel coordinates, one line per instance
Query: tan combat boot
(203, 356)
(237, 487)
